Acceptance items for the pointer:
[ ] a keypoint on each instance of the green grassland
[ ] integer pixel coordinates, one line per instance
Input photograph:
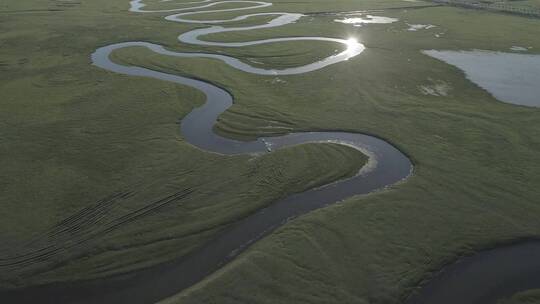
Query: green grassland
(73, 134)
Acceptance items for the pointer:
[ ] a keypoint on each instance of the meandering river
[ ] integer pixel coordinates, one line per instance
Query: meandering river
(484, 278)
(386, 165)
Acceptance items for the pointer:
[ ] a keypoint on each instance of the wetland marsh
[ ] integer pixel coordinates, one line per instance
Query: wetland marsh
(107, 175)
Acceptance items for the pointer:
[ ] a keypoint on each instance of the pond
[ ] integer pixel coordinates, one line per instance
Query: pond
(509, 77)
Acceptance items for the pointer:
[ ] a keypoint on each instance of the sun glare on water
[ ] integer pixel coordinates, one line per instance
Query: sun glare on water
(352, 42)
(353, 46)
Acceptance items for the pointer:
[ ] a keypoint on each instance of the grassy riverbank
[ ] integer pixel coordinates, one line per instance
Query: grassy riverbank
(73, 134)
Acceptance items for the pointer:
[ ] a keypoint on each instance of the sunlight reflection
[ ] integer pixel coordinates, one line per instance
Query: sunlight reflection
(353, 46)
(352, 42)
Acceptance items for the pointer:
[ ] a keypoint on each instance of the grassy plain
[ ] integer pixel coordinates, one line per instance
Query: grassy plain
(72, 134)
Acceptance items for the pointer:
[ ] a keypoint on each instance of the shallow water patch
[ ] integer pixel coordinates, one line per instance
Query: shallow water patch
(435, 88)
(417, 27)
(509, 77)
(366, 19)
(518, 48)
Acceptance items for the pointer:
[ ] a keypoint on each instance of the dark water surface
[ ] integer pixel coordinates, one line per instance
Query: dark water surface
(484, 277)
